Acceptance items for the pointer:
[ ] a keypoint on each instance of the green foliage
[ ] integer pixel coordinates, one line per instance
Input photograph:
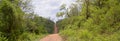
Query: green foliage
(2, 38)
(36, 24)
(102, 23)
(29, 37)
(11, 20)
(16, 25)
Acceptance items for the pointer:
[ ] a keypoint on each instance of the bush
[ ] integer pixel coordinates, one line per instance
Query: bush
(86, 35)
(29, 37)
(2, 38)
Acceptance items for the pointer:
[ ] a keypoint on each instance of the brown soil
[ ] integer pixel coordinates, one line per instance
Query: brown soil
(52, 37)
(55, 29)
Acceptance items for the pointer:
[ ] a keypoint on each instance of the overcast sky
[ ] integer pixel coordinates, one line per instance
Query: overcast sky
(49, 8)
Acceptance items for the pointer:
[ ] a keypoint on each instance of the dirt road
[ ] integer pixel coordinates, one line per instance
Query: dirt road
(52, 37)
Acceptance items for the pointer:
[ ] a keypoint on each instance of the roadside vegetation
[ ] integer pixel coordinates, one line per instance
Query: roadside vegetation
(91, 20)
(19, 23)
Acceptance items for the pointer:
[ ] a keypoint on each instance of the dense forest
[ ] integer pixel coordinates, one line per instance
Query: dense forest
(17, 25)
(85, 20)
(91, 20)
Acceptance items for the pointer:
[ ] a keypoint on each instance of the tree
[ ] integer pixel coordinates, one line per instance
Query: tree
(97, 19)
(11, 20)
(87, 8)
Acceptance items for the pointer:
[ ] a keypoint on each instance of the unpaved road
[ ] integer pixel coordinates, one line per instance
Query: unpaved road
(52, 37)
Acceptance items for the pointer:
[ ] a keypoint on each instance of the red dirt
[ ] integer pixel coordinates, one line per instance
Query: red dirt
(55, 29)
(52, 37)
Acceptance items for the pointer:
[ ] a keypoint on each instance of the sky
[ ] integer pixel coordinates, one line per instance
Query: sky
(49, 8)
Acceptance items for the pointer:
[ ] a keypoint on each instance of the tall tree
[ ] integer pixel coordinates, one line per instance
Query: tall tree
(12, 20)
(87, 8)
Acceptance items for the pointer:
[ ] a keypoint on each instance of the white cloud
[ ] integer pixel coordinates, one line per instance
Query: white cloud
(49, 8)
